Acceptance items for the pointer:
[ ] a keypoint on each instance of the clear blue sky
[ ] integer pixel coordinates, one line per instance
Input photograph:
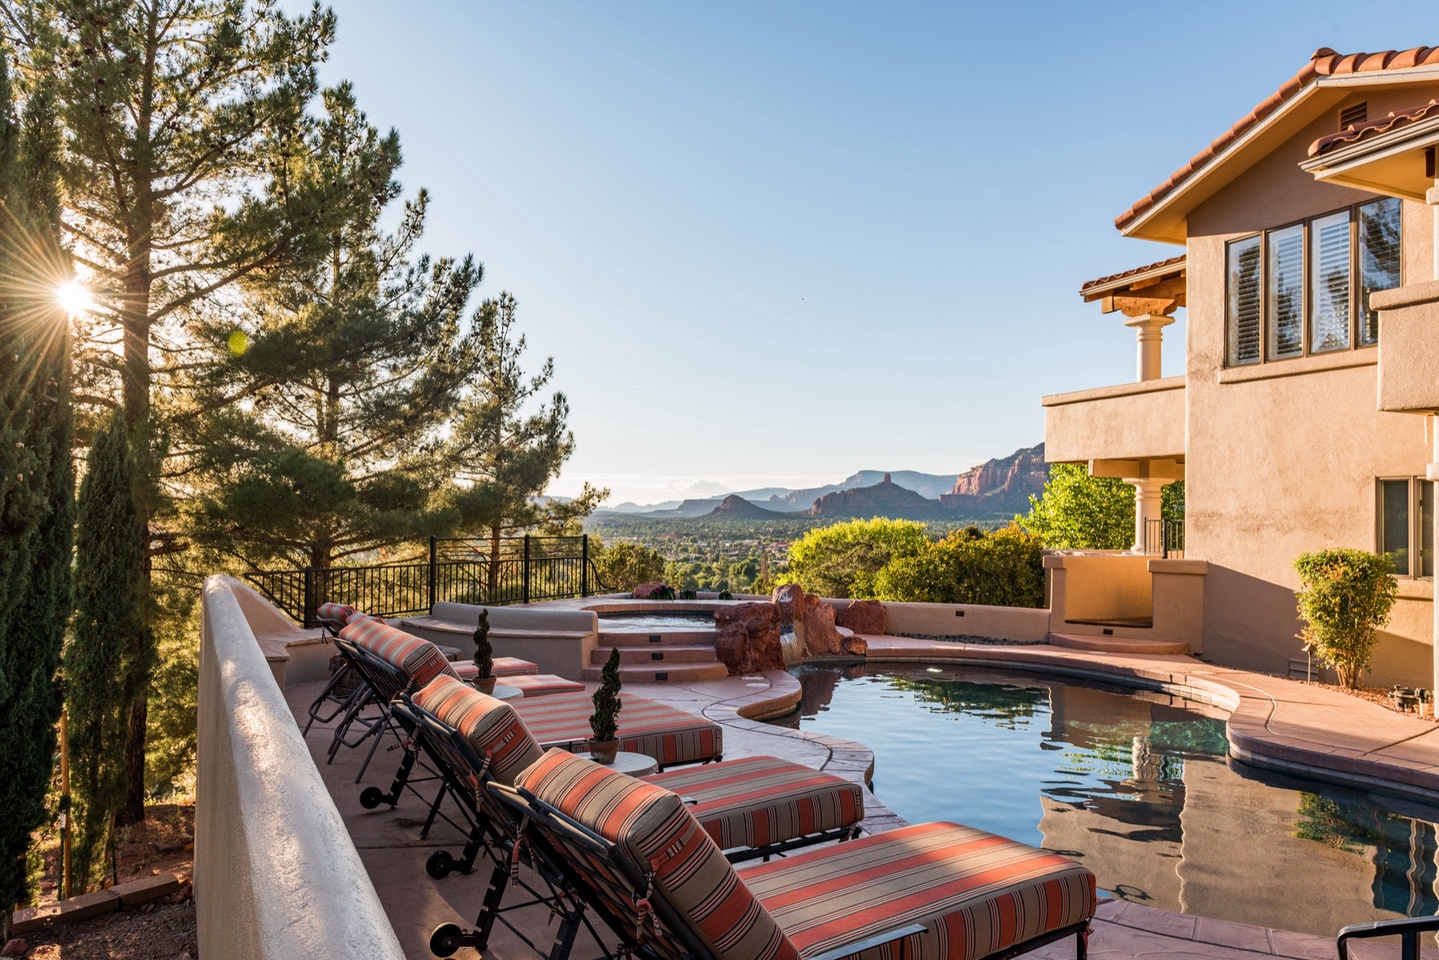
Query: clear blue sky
(780, 242)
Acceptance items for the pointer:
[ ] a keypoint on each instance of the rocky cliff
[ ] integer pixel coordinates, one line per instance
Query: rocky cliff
(738, 507)
(884, 499)
(1003, 484)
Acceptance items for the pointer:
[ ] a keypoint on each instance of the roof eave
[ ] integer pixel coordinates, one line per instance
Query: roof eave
(1158, 272)
(1347, 165)
(1163, 223)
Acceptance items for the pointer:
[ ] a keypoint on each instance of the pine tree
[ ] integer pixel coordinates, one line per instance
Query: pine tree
(167, 107)
(36, 512)
(350, 370)
(507, 448)
(109, 635)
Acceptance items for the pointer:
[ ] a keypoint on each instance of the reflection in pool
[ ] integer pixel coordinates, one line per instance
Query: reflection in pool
(1135, 785)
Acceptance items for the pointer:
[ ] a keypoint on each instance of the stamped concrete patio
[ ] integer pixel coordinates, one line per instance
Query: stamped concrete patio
(1274, 722)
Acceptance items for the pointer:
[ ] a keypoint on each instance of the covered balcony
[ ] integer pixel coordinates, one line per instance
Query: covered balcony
(1132, 431)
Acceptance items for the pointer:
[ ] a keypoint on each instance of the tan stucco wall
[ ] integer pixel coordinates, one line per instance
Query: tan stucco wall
(1124, 422)
(1282, 457)
(1409, 348)
(276, 874)
(1097, 587)
(1020, 624)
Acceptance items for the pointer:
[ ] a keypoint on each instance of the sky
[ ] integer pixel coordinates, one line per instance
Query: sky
(774, 243)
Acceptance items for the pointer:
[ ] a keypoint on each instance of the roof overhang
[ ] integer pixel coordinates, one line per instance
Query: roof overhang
(1158, 288)
(1390, 163)
(1166, 220)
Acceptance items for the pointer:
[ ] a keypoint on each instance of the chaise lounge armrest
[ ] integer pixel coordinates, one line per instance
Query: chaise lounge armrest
(1408, 928)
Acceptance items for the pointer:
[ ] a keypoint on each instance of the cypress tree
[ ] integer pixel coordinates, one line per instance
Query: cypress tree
(37, 506)
(108, 631)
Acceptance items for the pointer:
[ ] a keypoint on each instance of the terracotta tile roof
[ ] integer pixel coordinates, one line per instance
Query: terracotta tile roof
(1114, 277)
(1372, 128)
(1324, 63)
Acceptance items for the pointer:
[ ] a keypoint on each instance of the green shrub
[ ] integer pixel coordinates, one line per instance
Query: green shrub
(604, 722)
(1080, 512)
(624, 566)
(1346, 597)
(1002, 569)
(842, 560)
(484, 650)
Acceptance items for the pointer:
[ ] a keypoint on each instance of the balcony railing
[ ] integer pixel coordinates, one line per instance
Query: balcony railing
(458, 570)
(1164, 538)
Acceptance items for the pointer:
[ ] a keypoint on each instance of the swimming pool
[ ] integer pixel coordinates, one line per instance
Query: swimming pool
(1136, 785)
(656, 620)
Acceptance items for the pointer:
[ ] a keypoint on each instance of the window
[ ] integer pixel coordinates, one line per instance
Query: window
(1406, 518)
(1304, 288)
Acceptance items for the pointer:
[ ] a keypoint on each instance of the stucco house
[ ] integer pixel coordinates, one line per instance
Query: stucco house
(1305, 416)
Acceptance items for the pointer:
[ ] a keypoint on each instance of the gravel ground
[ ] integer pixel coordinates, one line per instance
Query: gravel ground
(971, 638)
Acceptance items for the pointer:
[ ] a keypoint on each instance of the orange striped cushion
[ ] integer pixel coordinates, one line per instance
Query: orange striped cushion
(762, 800)
(417, 658)
(339, 612)
(490, 725)
(543, 684)
(652, 829)
(513, 667)
(976, 893)
(668, 735)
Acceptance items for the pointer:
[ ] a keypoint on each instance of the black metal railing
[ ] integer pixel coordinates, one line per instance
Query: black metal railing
(478, 570)
(1164, 538)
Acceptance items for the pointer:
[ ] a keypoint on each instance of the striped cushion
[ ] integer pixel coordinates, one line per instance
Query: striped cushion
(543, 684)
(762, 800)
(417, 658)
(513, 667)
(338, 612)
(668, 735)
(652, 829)
(976, 893)
(490, 725)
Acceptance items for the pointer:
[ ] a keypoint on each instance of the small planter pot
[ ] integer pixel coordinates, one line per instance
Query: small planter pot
(603, 751)
(485, 685)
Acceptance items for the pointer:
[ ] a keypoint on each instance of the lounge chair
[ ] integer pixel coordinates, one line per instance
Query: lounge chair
(672, 737)
(755, 807)
(935, 891)
(340, 691)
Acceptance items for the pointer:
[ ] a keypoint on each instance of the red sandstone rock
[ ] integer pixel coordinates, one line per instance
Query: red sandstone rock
(787, 598)
(747, 637)
(855, 646)
(814, 626)
(15, 948)
(645, 590)
(864, 616)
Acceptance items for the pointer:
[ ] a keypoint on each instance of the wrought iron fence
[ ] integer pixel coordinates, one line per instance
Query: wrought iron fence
(1164, 538)
(478, 570)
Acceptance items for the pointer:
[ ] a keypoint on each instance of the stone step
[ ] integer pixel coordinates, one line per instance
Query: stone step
(656, 653)
(1129, 645)
(678, 672)
(658, 638)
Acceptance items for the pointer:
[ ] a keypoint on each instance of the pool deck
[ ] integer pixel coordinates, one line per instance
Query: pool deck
(1274, 722)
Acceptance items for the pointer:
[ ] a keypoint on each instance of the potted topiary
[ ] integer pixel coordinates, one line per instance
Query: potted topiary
(604, 722)
(484, 655)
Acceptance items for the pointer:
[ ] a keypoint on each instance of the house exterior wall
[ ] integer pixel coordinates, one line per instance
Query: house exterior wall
(1282, 457)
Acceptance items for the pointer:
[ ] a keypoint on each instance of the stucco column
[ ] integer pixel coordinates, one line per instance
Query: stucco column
(1432, 473)
(1431, 197)
(1149, 338)
(1147, 495)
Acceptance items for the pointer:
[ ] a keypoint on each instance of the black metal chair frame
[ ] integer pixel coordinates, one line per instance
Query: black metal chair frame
(493, 830)
(1406, 928)
(342, 702)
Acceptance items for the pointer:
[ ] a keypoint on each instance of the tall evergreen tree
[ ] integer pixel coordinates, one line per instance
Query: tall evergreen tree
(36, 479)
(508, 447)
(349, 374)
(109, 636)
(171, 107)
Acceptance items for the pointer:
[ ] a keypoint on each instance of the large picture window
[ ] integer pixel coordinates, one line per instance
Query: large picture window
(1406, 525)
(1304, 288)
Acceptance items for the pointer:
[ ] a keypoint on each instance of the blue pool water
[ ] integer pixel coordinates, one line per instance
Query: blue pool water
(656, 620)
(1137, 786)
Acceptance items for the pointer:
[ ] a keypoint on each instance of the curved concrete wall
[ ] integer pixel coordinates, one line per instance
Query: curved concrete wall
(276, 874)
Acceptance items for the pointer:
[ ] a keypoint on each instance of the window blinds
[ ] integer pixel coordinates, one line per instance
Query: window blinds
(1244, 300)
(1329, 283)
(1379, 259)
(1284, 300)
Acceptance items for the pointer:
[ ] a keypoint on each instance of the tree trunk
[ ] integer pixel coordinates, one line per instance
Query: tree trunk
(133, 810)
(494, 564)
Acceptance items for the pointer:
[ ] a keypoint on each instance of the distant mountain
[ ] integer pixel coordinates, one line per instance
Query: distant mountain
(883, 499)
(737, 507)
(1000, 486)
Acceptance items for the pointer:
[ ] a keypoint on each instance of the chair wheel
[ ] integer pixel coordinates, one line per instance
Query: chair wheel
(445, 940)
(440, 864)
(371, 798)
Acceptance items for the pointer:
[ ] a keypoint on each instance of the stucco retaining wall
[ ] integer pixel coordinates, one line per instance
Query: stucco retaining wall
(1018, 624)
(276, 874)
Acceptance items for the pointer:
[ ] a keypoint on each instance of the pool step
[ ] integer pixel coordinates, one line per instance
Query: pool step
(658, 653)
(656, 638)
(1129, 645)
(673, 673)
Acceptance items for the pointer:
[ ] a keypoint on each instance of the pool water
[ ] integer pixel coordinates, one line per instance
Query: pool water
(660, 620)
(1135, 785)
